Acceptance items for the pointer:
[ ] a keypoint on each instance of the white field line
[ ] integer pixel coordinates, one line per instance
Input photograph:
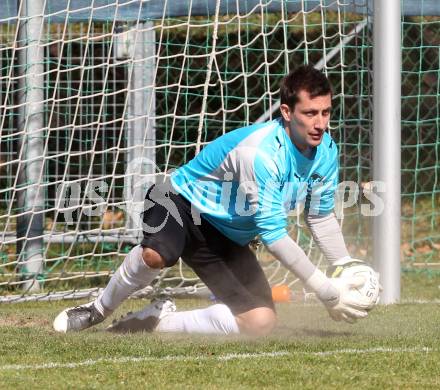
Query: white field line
(130, 359)
(232, 356)
(419, 301)
(373, 350)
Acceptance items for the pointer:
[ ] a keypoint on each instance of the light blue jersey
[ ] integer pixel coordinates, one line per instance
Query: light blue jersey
(246, 181)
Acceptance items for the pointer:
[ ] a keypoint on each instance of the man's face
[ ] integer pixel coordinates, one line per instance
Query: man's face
(308, 120)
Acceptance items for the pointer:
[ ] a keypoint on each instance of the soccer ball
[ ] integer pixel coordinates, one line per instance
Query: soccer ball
(370, 290)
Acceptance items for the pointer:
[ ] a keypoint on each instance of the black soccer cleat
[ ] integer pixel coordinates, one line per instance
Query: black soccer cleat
(144, 320)
(77, 318)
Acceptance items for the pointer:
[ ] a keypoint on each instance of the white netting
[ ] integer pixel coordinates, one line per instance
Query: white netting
(93, 111)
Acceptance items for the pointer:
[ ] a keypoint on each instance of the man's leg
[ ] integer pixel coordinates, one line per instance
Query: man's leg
(218, 319)
(239, 282)
(138, 270)
(158, 249)
(241, 285)
(215, 319)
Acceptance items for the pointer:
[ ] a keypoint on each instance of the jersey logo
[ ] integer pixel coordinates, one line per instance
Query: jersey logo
(316, 177)
(315, 180)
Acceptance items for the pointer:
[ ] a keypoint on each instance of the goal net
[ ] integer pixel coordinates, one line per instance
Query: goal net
(100, 99)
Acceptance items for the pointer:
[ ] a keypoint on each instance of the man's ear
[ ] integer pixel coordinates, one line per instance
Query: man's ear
(285, 112)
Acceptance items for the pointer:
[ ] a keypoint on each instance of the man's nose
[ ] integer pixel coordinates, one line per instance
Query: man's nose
(321, 122)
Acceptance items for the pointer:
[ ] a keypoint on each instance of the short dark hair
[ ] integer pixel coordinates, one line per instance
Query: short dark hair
(304, 78)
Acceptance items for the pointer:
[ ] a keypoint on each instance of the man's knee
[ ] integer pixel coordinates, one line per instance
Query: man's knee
(257, 322)
(152, 258)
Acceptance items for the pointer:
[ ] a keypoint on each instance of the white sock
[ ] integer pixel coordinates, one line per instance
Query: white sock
(216, 319)
(132, 275)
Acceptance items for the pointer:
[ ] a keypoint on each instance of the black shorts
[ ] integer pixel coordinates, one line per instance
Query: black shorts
(230, 271)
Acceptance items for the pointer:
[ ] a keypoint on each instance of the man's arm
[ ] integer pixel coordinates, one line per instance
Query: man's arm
(327, 234)
(270, 219)
(294, 259)
(333, 293)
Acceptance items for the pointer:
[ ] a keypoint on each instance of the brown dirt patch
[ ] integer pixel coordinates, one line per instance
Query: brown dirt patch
(22, 321)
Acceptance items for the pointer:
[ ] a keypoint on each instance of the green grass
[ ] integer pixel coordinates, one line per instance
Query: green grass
(310, 351)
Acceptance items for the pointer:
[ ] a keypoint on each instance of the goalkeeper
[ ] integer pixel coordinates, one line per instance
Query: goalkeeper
(240, 186)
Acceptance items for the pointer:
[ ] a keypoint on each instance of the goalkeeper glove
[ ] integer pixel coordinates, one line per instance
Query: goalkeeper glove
(335, 294)
(349, 307)
(335, 270)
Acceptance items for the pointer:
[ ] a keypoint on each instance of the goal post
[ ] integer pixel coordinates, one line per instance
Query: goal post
(30, 130)
(387, 144)
(99, 99)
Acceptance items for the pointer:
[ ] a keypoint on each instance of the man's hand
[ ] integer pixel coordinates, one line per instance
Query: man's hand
(348, 307)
